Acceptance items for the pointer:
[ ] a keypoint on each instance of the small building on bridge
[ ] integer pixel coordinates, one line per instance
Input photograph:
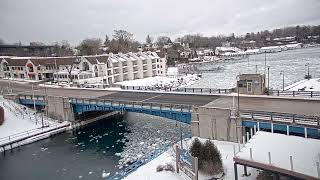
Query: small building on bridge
(251, 84)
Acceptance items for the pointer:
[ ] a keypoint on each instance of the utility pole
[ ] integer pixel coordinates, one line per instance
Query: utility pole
(34, 101)
(265, 63)
(282, 73)
(181, 136)
(268, 80)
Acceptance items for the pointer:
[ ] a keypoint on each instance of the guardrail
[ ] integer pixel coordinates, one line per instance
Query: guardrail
(29, 133)
(132, 104)
(312, 94)
(185, 89)
(306, 120)
(140, 162)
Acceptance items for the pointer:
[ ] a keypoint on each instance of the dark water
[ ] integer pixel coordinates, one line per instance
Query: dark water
(85, 153)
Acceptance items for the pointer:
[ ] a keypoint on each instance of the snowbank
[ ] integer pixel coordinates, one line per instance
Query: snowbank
(305, 85)
(148, 171)
(305, 152)
(159, 81)
(18, 126)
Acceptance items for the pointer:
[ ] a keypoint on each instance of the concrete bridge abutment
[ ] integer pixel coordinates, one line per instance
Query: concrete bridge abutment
(60, 108)
(215, 123)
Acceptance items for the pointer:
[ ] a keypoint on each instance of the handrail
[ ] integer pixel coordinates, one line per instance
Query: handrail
(179, 89)
(125, 102)
(28, 133)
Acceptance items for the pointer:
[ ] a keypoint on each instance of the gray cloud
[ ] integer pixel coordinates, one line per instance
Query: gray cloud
(74, 20)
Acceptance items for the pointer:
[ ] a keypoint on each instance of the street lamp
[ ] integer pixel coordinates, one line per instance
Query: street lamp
(282, 73)
(238, 110)
(265, 62)
(308, 76)
(268, 80)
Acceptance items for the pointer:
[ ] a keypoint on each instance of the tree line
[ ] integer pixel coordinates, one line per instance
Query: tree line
(123, 41)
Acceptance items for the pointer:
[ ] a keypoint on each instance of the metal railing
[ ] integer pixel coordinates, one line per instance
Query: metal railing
(180, 89)
(305, 120)
(29, 133)
(311, 94)
(132, 104)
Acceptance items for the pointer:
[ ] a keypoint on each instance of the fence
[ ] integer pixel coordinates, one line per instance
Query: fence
(312, 94)
(185, 89)
(311, 121)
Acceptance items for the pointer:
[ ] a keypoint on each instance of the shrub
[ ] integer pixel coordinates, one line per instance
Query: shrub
(209, 157)
(168, 167)
(265, 175)
(159, 168)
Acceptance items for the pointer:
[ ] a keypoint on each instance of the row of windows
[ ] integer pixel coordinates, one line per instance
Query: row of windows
(65, 76)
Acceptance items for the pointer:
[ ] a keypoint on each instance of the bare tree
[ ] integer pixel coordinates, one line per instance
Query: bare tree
(90, 46)
(107, 41)
(123, 41)
(163, 40)
(149, 39)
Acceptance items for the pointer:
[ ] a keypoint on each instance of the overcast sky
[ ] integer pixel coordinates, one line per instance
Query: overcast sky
(74, 20)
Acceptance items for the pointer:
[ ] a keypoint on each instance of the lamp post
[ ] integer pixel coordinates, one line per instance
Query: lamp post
(282, 73)
(268, 80)
(308, 76)
(238, 109)
(265, 62)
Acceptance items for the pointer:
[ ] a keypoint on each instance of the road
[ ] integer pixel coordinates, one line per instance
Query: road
(284, 105)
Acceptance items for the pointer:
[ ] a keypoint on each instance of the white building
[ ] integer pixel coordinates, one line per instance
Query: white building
(270, 49)
(107, 68)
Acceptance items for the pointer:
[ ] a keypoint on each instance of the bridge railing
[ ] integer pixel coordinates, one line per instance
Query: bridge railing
(305, 120)
(132, 104)
(180, 89)
(311, 94)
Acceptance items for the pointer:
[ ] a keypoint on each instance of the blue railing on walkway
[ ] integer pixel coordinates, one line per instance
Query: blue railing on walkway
(176, 112)
(293, 129)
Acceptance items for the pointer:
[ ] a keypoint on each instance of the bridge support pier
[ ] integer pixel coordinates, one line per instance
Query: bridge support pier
(215, 123)
(60, 108)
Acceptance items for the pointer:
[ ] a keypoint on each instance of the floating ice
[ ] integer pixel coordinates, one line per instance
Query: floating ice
(90, 172)
(104, 174)
(79, 177)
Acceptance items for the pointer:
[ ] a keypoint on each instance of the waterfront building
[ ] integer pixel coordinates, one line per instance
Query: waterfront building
(107, 68)
(270, 49)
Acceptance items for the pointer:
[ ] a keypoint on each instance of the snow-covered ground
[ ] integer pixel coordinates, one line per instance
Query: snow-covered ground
(305, 85)
(148, 171)
(21, 123)
(159, 81)
(305, 152)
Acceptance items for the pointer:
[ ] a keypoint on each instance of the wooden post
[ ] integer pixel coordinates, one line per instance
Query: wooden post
(243, 140)
(196, 168)
(318, 169)
(271, 127)
(251, 154)
(235, 171)
(255, 129)
(258, 124)
(248, 137)
(238, 146)
(234, 150)
(177, 157)
(291, 164)
(251, 133)
(269, 157)
(305, 132)
(288, 132)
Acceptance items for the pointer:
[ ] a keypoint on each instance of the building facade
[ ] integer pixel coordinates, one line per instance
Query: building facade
(106, 69)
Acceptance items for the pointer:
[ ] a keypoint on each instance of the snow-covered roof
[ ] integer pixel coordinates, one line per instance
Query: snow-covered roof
(270, 47)
(305, 85)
